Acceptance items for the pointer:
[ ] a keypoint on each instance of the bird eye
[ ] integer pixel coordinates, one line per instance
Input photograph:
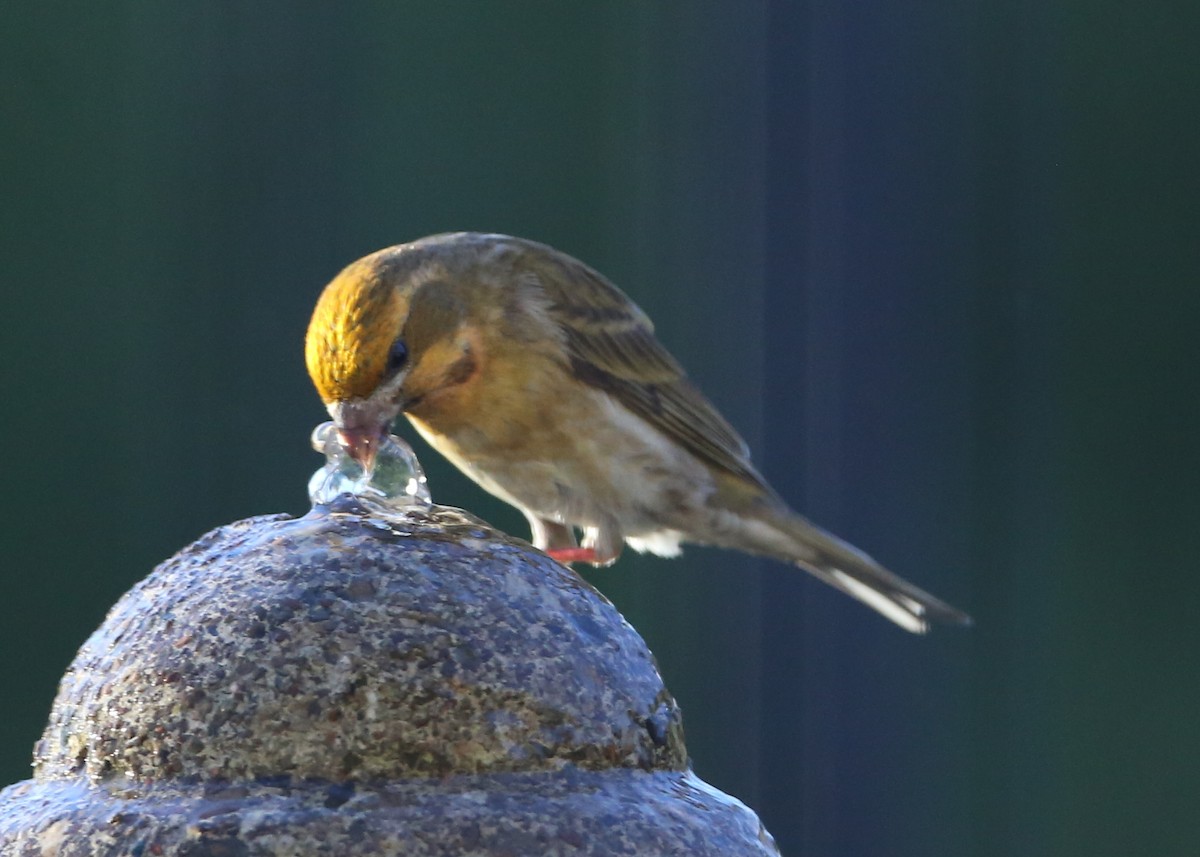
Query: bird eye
(397, 357)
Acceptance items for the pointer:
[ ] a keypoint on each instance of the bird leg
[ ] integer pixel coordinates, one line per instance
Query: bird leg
(601, 546)
(558, 541)
(551, 535)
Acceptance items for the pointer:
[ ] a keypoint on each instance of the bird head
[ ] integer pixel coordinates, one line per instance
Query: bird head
(388, 335)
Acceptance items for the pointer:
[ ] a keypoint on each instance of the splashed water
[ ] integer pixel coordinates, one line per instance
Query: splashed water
(395, 481)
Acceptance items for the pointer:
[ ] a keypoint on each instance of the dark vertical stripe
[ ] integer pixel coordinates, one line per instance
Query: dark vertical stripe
(789, 764)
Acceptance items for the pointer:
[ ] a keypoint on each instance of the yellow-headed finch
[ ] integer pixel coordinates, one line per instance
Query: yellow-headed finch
(545, 384)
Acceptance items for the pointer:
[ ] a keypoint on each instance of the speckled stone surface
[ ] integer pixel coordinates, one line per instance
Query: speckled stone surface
(347, 683)
(572, 812)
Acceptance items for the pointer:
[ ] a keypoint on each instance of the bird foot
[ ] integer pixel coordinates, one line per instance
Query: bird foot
(570, 555)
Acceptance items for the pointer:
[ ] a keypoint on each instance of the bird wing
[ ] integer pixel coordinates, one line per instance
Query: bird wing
(611, 345)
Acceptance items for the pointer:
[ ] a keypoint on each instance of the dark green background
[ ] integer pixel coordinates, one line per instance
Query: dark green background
(938, 262)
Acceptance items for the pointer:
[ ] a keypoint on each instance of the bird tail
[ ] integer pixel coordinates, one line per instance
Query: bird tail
(848, 569)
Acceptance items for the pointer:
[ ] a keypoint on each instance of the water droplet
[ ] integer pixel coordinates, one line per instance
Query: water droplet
(395, 482)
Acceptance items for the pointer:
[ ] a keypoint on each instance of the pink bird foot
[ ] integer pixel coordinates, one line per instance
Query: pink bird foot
(569, 555)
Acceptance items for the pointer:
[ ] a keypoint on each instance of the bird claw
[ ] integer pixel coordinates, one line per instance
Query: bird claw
(569, 555)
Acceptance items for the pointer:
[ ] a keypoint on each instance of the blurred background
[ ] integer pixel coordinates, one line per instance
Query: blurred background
(937, 261)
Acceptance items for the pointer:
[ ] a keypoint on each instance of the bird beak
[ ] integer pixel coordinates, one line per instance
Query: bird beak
(362, 444)
(362, 430)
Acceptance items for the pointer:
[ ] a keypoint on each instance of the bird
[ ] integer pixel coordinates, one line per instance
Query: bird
(544, 383)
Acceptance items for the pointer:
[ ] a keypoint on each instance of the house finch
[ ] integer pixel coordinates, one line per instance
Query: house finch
(545, 384)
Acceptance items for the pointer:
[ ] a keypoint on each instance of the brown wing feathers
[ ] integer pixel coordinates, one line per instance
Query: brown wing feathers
(612, 346)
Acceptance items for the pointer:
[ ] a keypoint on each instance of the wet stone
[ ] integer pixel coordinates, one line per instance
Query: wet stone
(350, 682)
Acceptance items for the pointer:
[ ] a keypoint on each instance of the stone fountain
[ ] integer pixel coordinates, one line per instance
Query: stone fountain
(382, 676)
